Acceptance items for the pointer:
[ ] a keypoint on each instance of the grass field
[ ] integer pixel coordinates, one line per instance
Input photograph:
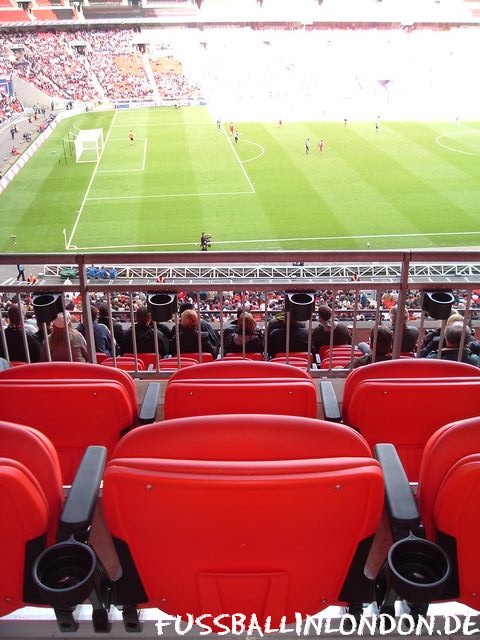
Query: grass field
(410, 185)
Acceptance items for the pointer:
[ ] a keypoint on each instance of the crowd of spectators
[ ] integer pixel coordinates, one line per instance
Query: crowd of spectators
(241, 317)
(92, 66)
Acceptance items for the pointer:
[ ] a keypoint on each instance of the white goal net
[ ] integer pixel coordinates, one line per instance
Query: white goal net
(88, 145)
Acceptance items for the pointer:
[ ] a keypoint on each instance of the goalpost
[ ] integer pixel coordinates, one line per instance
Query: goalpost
(88, 145)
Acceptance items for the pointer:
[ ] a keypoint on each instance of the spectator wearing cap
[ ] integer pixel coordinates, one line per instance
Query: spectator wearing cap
(58, 340)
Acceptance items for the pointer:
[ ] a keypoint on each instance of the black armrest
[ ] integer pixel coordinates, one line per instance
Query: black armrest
(148, 410)
(80, 504)
(331, 410)
(401, 506)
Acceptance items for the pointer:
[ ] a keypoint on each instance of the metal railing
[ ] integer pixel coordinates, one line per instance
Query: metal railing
(406, 274)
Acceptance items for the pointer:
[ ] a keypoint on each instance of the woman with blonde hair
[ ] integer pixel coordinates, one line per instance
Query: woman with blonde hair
(61, 337)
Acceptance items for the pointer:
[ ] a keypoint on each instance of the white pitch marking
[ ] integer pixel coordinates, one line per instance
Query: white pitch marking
(276, 240)
(173, 195)
(239, 161)
(77, 219)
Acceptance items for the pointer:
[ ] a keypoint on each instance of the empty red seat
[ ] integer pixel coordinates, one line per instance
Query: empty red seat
(150, 360)
(74, 404)
(448, 499)
(35, 514)
(405, 401)
(267, 515)
(125, 363)
(240, 386)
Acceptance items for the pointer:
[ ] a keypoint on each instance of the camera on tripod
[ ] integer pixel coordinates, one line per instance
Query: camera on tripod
(205, 241)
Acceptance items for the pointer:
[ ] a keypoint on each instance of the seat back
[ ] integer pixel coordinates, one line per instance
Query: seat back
(241, 368)
(34, 450)
(31, 498)
(75, 371)
(150, 360)
(72, 413)
(403, 368)
(339, 351)
(444, 449)
(406, 412)
(214, 476)
(457, 522)
(240, 386)
(125, 363)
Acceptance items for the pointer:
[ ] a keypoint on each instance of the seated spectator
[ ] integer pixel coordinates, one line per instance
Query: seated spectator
(277, 340)
(247, 333)
(321, 335)
(204, 325)
(57, 341)
(92, 272)
(383, 347)
(101, 334)
(409, 334)
(14, 338)
(189, 338)
(144, 336)
(32, 279)
(103, 318)
(453, 339)
(431, 340)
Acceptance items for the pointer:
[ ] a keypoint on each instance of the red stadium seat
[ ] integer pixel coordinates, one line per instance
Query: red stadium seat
(150, 360)
(74, 404)
(31, 502)
(227, 484)
(125, 363)
(405, 401)
(241, 386)
(448, 499)
(247, 356)
(341, 350)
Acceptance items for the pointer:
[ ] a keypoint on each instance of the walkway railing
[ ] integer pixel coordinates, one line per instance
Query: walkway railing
(343, 279)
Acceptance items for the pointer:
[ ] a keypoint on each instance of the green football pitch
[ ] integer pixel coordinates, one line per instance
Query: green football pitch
(409, 185)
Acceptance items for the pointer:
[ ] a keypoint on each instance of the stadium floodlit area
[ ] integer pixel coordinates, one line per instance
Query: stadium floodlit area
(395, 185)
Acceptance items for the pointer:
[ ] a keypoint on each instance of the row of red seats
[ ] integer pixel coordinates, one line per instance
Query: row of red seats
(259, 514)
(402, 402)
(150, 361)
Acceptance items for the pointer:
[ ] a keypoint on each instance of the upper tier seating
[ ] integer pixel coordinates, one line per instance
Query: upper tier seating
(244, 386)
(264, 514)
(448, 500)
(74, 404)
(14, 15)
(31, 502)
(405, 401)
